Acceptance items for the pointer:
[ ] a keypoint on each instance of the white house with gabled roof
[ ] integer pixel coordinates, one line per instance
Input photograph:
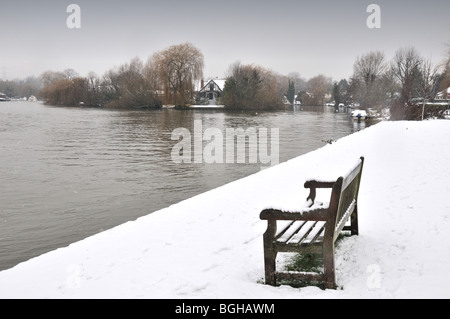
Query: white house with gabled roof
(212, 90)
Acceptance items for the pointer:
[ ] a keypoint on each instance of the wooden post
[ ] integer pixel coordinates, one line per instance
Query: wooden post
(328, 263)
(354, 222)
(269, 252)
(328, 241)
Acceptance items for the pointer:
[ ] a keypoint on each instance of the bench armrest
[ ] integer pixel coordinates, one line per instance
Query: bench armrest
(315, 214)
(313, 184)
(319, 184)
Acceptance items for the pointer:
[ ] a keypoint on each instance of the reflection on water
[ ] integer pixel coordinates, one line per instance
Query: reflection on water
(359, 125)
(68, 173)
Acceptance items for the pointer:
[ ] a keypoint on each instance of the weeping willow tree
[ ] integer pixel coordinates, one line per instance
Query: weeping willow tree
(179, 67)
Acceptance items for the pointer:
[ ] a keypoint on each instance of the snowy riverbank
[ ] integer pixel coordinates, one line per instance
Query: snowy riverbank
(210, 246)
(198, 106)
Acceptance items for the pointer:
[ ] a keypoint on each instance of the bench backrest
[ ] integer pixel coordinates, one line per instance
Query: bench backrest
(344, 197)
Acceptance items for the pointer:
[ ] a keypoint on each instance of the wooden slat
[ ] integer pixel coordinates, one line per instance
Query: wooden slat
(291, 275)
(315, 248)
(290, 231)
(340, 224)
(303, 232)
(351, 176)
(316, 232)
(283, 229)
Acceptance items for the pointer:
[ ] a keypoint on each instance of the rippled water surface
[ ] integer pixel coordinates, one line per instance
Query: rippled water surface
(68, 173)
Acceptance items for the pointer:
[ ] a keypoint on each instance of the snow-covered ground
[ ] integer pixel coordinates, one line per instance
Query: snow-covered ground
(198, 106)
(210, 246)
(209, 106)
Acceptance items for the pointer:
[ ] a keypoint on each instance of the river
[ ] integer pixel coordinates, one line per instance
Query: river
(69, 173)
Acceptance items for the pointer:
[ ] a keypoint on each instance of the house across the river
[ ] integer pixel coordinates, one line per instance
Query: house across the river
(212, 90)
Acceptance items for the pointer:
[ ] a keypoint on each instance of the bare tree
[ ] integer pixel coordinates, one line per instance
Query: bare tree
(93, 84)
(428, 83)
(299, 82)
(151, 76)
(70, 74)
(446, 76)
(370, 66)
(389, 85)
(406, 67)
(128, 86)
(341, 92)
(367, 71)
(318, 87)
(49, 77)
(180, 67)
(93, 80)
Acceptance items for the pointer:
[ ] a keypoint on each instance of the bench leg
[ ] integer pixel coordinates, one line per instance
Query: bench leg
(328, 263)
(269, 253)
(269, 265)
(354, 222)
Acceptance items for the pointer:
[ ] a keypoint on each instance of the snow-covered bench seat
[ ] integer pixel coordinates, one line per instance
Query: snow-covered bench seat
(314, 228)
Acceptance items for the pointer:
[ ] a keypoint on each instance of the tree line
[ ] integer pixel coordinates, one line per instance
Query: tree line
(21, 88)
(170, 77)
(401, 83)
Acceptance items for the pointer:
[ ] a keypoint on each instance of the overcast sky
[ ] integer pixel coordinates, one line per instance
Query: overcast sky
(308, 37)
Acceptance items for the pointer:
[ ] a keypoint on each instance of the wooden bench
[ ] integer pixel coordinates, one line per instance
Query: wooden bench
(314, 228)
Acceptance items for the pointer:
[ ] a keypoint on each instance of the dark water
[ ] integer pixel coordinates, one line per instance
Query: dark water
(68, 173)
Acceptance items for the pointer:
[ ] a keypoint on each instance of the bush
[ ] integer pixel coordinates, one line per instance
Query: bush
(413, 112)
(252, 88)
(67, 92)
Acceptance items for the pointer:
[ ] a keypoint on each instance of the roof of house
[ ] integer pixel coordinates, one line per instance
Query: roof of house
(219, 82)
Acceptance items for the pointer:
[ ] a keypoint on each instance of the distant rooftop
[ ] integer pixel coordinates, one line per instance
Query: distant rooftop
(220, 83)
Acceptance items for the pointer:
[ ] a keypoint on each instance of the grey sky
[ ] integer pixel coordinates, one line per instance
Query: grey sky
(309, 37)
